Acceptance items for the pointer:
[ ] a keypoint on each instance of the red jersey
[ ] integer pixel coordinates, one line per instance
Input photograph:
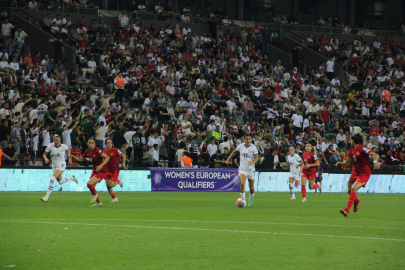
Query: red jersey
(325, 116)
(309, 158)
(77, 153)
(361, 161)
(113, 165)
(96, 158)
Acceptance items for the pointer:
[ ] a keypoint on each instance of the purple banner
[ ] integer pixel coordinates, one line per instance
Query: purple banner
(177, 179)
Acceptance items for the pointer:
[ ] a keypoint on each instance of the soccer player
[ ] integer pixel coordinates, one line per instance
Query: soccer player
(318, 178)
(293, 160)
(57, 152)
(248, 157)
(360, 172)
(98, 160)
(113, 168)
(308, 165)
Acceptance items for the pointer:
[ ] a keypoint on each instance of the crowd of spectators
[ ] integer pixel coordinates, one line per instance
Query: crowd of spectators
(200, 94)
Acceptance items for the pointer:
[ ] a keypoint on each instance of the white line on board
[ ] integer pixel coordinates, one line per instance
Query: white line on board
(208, 230)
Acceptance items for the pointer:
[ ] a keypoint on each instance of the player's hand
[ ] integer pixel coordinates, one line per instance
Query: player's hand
(377, 166)
(124, 167)
(307, 166)
(297, 166)
(46, 161)
(98, 168)
(250, 163)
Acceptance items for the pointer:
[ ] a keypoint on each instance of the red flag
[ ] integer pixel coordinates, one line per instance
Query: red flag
(278, 89)
(298, 83)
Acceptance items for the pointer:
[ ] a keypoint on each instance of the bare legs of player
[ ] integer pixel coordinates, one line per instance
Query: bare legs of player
(110, 185)
(251, 188)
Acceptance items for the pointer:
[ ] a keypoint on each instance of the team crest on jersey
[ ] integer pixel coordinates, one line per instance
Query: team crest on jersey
(249, 151)
(305, 160)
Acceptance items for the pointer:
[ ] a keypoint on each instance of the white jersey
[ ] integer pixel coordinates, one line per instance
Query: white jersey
(294, 161)
(57, 153)
(247, 153)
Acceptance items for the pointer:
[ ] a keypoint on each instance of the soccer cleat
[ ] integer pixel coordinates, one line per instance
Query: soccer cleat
(44, 199)
(120, 183)
(304, 200)
(94, 198)
(74, 179)
(250, 203)
(356, 205)
(97, 204)
(292, 198)
(114, 200)
(344, 212)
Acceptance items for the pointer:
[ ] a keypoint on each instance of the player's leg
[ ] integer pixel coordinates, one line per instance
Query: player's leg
(91, 184)
(353, 187)
(303, 187)
(312, 184)
(290, 184)
(242, 185)
(56, 176)
(349, 186)
(251, 191)
(110, 185)
(66, 179)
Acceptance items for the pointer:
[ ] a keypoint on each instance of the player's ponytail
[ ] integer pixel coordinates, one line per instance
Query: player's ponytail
(314, 150)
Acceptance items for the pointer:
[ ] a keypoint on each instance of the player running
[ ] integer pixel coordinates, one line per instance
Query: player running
(57, 152)
(293, 160)
(248, 157)
(360, 172)
(98, 160)
(113, 167)
(308, 165)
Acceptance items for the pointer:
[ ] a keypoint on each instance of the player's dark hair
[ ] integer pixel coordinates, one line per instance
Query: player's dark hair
(248, 135)
(357, 138)
(91, 139)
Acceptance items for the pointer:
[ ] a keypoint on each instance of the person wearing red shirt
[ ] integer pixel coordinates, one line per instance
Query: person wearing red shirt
(309, 165)
(113, 167)
(187, 56)
(98, 160)
(374, 127)
(325, 114)
(75, 151)
(360, 172)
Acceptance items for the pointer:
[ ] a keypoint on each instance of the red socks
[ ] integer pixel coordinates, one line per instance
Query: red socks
(113, 196)
(315, 186)
(92, 189)
(352, 198)
(303, 191)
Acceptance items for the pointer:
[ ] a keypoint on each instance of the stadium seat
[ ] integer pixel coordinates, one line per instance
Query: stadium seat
(355, 129)
(352, 122)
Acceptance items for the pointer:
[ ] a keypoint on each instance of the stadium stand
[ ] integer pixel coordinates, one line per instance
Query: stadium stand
(196, 84)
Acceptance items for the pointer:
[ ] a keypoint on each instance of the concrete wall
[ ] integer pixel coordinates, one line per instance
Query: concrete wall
(39, 40)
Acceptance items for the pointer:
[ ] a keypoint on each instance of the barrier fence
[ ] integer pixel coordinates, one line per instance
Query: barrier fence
(18, 179)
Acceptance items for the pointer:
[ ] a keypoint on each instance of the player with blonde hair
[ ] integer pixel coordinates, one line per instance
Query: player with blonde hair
(308, 164)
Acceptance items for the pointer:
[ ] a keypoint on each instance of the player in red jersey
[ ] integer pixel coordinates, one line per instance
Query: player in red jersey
(98, 160)
(360, 172)
(113, 167)
(309, 164)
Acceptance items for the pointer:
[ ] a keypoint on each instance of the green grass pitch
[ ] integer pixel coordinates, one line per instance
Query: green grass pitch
(174, 230)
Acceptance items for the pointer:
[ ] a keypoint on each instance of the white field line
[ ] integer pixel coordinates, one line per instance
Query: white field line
(208, 230)
(210, 221)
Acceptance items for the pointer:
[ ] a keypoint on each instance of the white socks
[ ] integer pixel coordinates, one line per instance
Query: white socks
(51, 185)
(242, 195)
(251, 196)
(64, 180)
(291, 190)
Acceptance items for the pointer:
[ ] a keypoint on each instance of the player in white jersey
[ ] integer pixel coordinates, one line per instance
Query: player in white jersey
(57, 152)
(293, 160)
(248, 157)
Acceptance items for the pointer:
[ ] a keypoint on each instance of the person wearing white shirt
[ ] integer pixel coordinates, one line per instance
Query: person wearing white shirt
(212, 148)
(330, 68)
(297, 121)
(381, 138)
(15, 65)
(201, 81)
(159, 8)
(123, 19)
(335, 81)
(154, 140)
(324, 145)
(185, 18)
(224, 145)
(186, 30)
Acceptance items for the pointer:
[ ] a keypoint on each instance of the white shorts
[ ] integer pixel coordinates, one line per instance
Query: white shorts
(250, 173)
(296, 176)
(59, 167)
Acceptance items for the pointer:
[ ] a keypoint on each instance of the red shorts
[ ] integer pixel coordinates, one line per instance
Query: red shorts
(113, 176)
(309, 176)
(362, 178)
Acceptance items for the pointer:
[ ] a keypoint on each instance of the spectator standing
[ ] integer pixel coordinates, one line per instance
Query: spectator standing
(119, 84)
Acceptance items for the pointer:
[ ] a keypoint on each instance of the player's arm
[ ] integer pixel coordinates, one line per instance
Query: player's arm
(348, 161)
(124, 159)
(80, 159)
(69, 159)
(230, 157)
(375, 160)
(255, 160)
(45, 156)
(300, 165)
(106, 159)
(9, 158)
